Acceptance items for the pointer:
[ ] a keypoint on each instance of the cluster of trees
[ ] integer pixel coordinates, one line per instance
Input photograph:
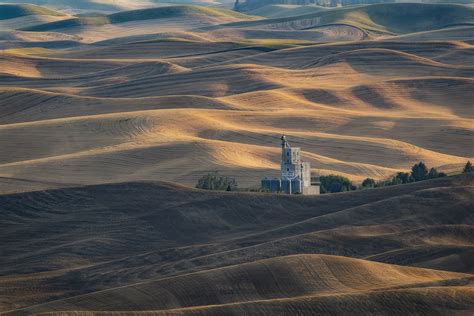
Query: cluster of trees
(214, 181)
(419, 172)
(332, 184)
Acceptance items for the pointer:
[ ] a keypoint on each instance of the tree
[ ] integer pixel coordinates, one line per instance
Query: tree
(401, 178)
(213, 181)
(419, 172)
(332, 184)
(433, 174)
(468, 168)
(368, 183)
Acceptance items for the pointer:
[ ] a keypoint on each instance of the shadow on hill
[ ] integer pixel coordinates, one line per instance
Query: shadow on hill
(91, 238)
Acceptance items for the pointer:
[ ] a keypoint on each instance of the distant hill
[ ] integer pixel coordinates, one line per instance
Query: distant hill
(246, 5)
(406, 18)
(76, 4)
(140, 15)
(395, 18)
(11, 11)
(73, 22)
(171, 12)
(118, 5)
(280, 11)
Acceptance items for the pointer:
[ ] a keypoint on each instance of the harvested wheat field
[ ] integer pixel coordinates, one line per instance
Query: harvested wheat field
(170, 93)
(158, 248)
(110, 112)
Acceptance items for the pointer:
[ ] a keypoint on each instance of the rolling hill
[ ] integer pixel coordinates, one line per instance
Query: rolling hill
(11, 11)
(110, 111)
(175, 19)
(374, 20)
(246, 5)
(171, 12)
(388, 18)
(281, 10)
(15, 16)
(281, 284)
(235, 97)
(81, 4)
(162, 248)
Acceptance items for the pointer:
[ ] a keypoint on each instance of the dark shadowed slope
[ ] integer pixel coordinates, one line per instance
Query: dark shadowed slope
(320, 280)
(122, 234)
(11, 11)
(143, 15)
(386, 18)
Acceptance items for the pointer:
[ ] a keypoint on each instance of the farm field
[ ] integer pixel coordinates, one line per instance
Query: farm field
(153, 247)
(110, 112)
(171, 93)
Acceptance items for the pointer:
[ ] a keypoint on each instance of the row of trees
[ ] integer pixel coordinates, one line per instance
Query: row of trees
(419, 172)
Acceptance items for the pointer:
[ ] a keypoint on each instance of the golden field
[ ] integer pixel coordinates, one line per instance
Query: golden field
(101, 112)
(214, 89)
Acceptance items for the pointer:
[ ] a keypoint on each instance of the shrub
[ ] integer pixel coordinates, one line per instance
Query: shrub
(332, 184)
(213, 181)
(468, 168)
(368, 183)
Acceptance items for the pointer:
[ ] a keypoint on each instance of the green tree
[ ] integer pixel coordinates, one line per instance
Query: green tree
(468, 168)
(401, 178)
(213, 181)
(368, 183)
(419, 171)
(433, 174)
(332, 184)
